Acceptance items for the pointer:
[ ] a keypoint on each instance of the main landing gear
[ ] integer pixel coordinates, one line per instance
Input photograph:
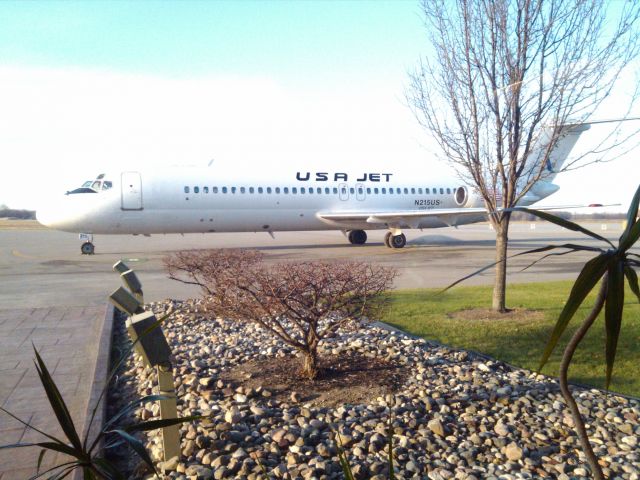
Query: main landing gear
(357, 237)
(395, 241)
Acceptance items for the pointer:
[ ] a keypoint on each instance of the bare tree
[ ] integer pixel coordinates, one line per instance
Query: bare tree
(299, 302)
(507, 81)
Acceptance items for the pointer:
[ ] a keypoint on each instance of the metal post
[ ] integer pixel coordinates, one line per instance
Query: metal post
(151, 344)
(168, 409)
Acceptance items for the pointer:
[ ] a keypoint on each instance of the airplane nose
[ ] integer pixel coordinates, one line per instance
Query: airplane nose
(45, 215)
(56, 214)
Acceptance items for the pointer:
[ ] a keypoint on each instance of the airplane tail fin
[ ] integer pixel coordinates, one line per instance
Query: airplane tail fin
(554, 157)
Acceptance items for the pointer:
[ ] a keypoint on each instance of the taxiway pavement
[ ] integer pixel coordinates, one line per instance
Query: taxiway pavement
(44, 268)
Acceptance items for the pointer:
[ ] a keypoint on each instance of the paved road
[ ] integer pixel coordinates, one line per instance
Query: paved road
(44, 268)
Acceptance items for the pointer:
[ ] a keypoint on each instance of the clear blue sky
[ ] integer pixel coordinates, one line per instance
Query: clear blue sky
(91, 86)
(301, 40)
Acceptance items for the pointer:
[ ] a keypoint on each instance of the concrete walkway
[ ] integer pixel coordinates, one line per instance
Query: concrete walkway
(74, 343)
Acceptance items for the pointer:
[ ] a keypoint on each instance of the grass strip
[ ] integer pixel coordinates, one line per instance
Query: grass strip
(462, 318)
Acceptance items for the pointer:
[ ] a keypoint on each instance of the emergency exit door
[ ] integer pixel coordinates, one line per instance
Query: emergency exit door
(131, 191)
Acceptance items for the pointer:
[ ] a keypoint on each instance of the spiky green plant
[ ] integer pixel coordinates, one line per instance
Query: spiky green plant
(85, 454)
(609, 267)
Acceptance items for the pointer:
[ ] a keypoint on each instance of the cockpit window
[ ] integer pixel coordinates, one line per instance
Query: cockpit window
(93, 186)
(82, 190)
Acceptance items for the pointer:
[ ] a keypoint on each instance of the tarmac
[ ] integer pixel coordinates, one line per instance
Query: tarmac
(55, 298)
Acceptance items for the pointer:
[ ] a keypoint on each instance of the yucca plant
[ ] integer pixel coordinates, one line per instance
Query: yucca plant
(85, 454)
(609, 267)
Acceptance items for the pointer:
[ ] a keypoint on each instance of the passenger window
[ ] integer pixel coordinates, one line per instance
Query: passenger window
(233, 189)
(413, 190)
(319, 190)
(310, 190)
(335, 190)
(352, 190)
(242, 190)
(426, 190)
(406, 190)
(384, 190)
(285, 190)
(368, 190)
(277, 189)
(186, 189)
(391, 191)
(268, 189)
(344, 191)
(441, 191)
(205, 189)
(224, 189)
(375, 190)
(260, 190)
(214, 189)
(302, 190)
(448, 190)
(420, 190)
(196, 189)
(327, 190)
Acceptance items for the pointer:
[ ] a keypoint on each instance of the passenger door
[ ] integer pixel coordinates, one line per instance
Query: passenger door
(131, 191)
(343, 191)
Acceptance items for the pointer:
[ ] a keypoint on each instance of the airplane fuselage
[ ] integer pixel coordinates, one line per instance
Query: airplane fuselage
(194, 200)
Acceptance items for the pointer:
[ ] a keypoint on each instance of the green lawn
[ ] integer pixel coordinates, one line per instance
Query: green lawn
(519, 341)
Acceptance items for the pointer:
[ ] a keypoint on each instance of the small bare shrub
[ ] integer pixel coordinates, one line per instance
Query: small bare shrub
(300, 302)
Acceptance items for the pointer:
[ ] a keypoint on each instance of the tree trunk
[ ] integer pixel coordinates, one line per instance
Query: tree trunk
(500, 285)
(310, 364)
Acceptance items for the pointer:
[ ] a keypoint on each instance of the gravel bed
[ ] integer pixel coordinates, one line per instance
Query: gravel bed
(456, 416)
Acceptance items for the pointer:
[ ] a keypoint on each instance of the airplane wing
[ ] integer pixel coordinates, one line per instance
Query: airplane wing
(415, 218)
(400, 218)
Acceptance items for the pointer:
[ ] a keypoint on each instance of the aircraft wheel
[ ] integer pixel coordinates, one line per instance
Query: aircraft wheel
(387, 239)
(87, 248)
(357, 237)
(398, 241)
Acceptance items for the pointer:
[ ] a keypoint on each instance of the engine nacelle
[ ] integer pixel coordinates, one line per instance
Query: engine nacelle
(461, 196)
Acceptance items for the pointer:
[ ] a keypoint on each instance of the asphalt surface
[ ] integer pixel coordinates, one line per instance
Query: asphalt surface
(44, 268)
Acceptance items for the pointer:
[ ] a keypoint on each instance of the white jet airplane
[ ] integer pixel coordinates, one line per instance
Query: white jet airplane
(210, 199)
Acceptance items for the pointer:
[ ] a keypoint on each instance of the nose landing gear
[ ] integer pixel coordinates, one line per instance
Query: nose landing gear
(87, 248)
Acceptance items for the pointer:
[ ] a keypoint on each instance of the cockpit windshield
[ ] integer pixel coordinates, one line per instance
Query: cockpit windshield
(93, 186)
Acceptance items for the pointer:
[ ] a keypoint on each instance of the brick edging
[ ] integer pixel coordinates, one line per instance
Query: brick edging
(103, 330)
